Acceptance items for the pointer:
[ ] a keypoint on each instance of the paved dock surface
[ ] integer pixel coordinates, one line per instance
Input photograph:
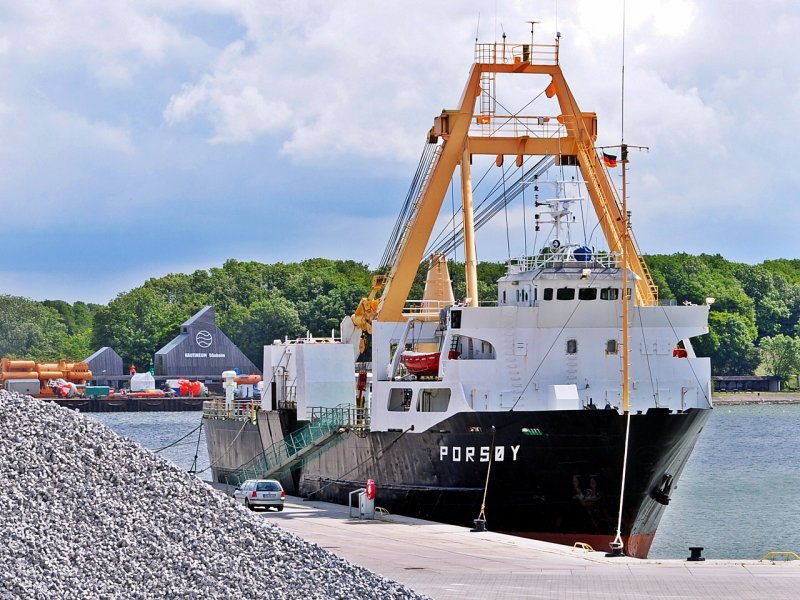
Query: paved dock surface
(447, 562)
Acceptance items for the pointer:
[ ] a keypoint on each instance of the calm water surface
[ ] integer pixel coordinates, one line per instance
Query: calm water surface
(156, 430)
(739, 496)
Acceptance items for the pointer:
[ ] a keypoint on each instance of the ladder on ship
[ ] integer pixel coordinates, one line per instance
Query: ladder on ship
(326, 426)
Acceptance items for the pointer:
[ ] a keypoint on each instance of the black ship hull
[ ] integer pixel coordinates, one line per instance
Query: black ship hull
(552, 475)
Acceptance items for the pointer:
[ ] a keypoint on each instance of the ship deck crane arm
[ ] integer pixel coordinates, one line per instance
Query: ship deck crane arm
(453, 128)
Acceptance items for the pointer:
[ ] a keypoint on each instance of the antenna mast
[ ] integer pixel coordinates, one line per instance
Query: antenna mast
(533, 23)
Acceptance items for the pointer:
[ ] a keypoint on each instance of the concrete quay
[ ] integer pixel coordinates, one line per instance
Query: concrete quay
(447, 562)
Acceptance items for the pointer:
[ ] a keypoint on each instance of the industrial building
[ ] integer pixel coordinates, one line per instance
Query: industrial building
(201, 351)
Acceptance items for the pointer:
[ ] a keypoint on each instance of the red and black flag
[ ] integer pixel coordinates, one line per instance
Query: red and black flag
(609, 160)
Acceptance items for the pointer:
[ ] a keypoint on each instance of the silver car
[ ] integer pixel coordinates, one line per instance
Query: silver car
(260, 492)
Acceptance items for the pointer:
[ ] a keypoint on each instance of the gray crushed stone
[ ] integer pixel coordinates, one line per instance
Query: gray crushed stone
(85, 513)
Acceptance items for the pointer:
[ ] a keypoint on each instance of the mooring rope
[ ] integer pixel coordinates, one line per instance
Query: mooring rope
(617, 543)
(180, 439)
(482, 515)
(197, 449)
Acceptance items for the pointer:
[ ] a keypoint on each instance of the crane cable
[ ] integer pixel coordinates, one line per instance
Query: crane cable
(488, 208)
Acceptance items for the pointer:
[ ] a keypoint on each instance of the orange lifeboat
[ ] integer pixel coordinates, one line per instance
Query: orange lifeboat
(424, 363)
(247, 379)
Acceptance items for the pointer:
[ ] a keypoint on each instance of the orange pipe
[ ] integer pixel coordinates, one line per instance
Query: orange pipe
(5, 375)
(18, 365)
(51, 375)
(79, 375)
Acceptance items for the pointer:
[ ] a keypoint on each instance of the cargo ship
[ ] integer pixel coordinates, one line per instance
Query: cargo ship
(564, 409)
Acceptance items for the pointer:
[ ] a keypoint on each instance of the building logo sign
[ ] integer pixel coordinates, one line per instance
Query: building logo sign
(203, 339)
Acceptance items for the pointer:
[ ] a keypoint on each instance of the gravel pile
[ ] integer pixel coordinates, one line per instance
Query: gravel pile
(87, 514)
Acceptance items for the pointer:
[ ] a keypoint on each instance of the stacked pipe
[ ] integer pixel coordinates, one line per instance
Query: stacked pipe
(74, 372)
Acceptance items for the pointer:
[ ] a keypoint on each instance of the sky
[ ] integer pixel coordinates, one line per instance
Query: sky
(147, 137)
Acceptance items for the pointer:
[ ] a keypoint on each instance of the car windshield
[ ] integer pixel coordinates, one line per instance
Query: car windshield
(268, 486)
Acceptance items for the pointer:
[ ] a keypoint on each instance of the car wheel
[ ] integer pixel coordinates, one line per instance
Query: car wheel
(247, 504)
(280, 508)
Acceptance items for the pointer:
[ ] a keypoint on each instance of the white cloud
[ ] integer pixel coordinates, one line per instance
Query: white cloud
(106, 101)
(232, 100)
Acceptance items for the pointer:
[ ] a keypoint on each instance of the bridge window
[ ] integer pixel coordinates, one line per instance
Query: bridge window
(587, 294)
(609, 294)
(548, 294)
(400, 399)
(469, 348)
(565, 293)
(433, 400)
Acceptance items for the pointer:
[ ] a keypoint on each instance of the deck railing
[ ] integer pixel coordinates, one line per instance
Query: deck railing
(425, 309)
(602, 260)
(493, 125)
(504, 53)
(241, 409)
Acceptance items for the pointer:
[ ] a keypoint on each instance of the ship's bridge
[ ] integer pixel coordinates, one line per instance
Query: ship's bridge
(529, 282)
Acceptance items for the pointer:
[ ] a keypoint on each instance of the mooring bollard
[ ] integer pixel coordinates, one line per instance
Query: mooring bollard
(480, 525)
(696, 552)
(616, 550)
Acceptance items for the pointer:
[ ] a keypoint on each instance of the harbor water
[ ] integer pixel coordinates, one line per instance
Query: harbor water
(739, 496)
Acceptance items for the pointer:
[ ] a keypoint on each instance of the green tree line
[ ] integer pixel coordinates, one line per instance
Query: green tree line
(754, 323)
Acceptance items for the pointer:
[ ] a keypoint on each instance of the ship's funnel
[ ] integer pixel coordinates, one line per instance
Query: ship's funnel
(438, 288)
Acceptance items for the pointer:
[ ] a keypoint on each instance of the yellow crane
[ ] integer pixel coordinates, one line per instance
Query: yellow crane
(475, 127)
